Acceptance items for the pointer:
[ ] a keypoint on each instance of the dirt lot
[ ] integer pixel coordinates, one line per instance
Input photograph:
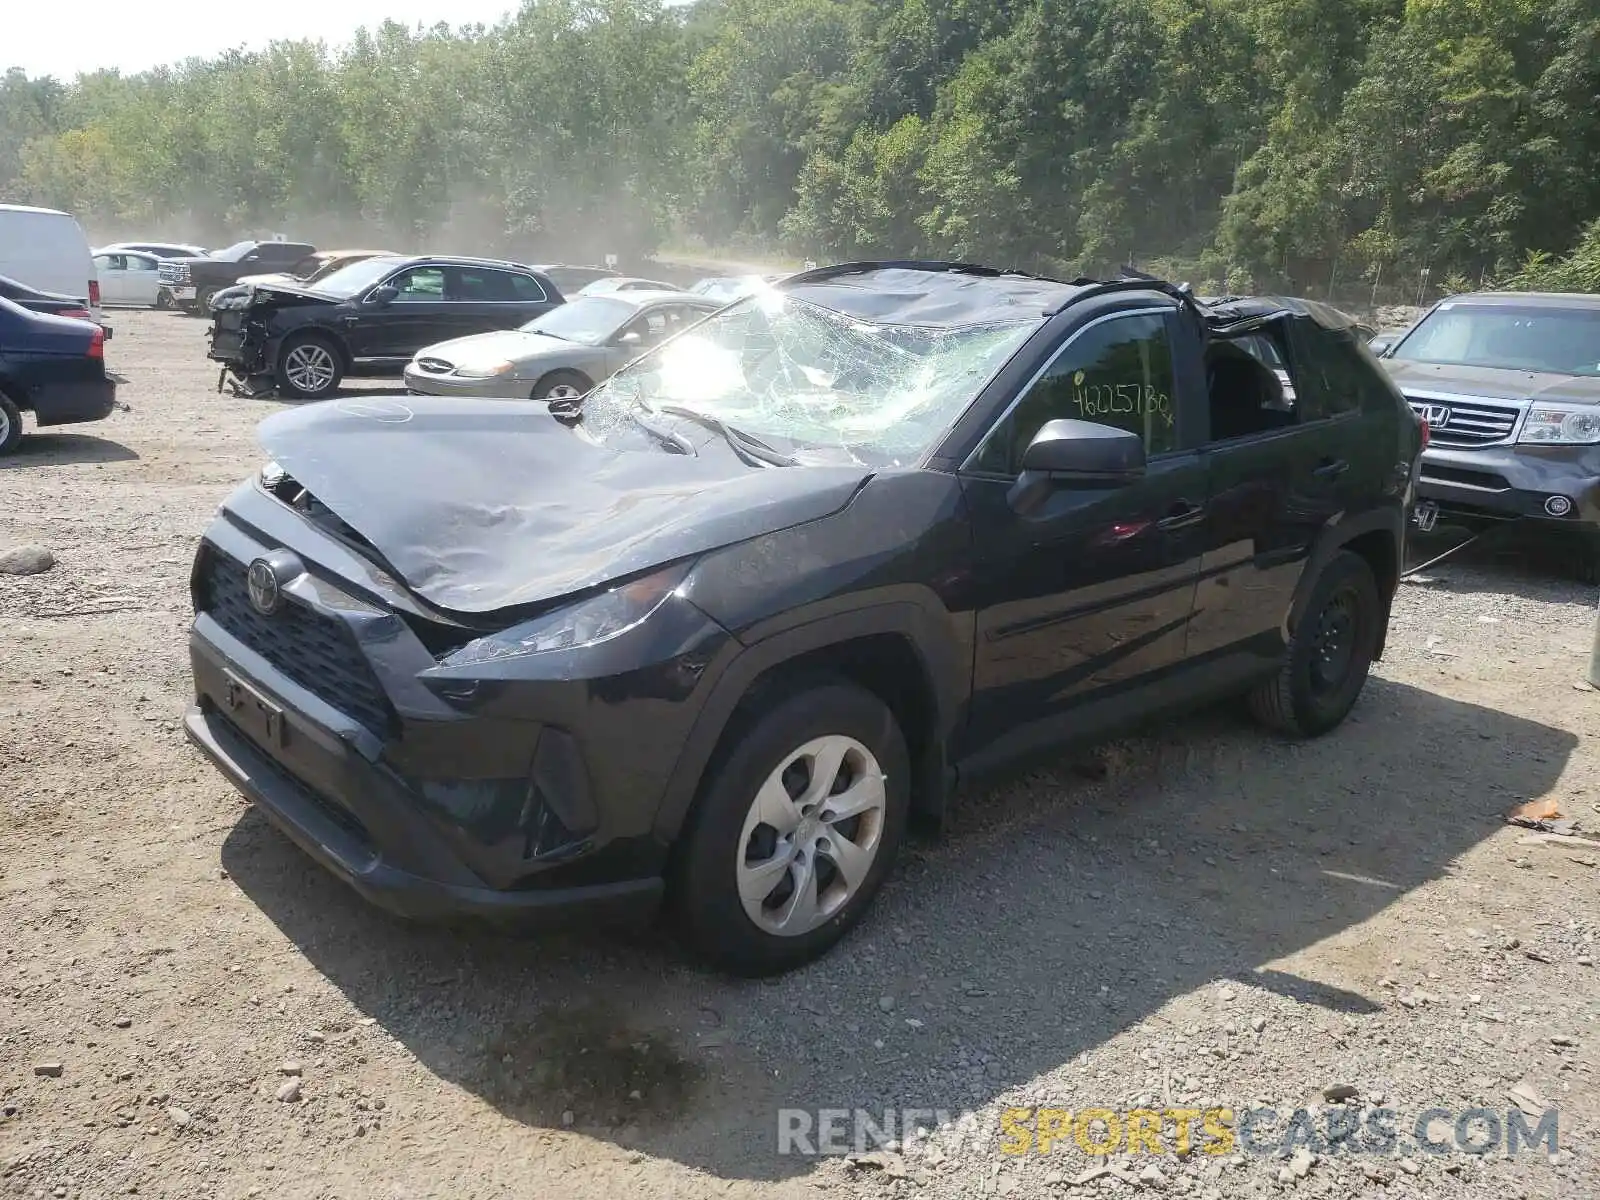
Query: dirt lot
(1200, 916)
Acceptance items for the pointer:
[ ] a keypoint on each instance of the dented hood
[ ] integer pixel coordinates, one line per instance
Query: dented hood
(291, 293)
(494, 504)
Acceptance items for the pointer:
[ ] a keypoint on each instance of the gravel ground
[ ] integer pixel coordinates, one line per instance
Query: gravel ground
(1199, 916)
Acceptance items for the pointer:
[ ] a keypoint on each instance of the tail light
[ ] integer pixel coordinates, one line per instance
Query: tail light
(77, 314)
(97, 343)
(94, 293)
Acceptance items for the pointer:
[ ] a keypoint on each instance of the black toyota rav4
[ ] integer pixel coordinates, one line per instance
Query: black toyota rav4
(713, 634)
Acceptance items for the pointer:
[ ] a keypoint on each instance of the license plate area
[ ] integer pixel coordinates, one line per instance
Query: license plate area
(258, 717)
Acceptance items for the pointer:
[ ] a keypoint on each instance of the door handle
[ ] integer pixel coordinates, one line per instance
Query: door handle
(1331, 468)
(1181, 515)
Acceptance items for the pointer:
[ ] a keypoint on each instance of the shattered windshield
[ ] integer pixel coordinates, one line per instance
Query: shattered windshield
(778, 368)
(1562, 341)
(586, 319)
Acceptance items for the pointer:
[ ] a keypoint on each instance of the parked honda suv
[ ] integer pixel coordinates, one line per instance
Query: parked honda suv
(1509, 383)
(710, 635)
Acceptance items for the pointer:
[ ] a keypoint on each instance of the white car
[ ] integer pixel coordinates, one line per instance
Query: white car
(129, 279)
(611, 284)
(159, 249)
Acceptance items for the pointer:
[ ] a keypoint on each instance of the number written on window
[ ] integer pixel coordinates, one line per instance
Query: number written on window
(1118, 372)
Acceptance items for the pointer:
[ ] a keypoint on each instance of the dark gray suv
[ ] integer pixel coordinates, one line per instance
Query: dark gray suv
(1509, 383)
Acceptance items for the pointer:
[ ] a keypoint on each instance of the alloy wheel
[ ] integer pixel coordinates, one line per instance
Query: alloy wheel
(811, 836)
(5, 426)
(310, 368)
(563, 391)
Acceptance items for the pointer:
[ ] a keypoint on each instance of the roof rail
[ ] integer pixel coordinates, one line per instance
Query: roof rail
(1131, 279)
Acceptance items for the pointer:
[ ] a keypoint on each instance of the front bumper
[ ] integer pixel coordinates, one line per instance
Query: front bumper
(1515, 481)
(502, 388)
(521, 791)
(332, 837)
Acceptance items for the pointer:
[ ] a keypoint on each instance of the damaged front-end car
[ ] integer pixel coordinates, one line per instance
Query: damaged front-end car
(260, 353)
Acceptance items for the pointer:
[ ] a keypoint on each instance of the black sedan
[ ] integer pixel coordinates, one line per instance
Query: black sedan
(54, 367)
(54, 303)
(368, 318)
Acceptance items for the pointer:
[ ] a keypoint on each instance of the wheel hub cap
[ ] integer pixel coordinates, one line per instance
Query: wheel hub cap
(811, 836)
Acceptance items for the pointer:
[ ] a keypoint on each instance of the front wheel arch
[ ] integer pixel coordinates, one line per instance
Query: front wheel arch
(926, 700)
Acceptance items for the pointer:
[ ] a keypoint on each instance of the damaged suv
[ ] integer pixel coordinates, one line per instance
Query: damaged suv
(368, 317)
(714, 633)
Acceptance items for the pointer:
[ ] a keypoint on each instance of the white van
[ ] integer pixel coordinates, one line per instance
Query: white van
(46, 249)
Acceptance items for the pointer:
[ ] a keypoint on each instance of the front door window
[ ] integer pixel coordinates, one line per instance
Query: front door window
(1115, 372)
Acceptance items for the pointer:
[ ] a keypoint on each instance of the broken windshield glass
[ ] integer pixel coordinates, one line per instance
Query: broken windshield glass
(778, 368)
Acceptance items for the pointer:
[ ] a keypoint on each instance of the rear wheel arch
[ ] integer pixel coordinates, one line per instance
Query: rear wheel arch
(1377, 537)
(880, 649)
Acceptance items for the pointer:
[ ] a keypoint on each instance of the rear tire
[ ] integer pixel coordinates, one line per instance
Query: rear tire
(10, 425)
(1330, 653)
(562, 385)
(754, 898)
(309, 367)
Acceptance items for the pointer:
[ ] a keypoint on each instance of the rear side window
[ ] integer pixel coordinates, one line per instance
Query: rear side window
(478, 284)
(526, 288)
(1334, 374)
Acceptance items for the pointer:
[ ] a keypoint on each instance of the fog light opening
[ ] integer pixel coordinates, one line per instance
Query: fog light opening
(1558, 506)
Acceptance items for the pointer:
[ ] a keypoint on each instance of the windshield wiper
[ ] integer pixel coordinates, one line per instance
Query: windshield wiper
(665, 436)
(751, 449)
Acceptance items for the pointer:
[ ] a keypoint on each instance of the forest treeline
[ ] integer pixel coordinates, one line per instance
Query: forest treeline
(1325, 147)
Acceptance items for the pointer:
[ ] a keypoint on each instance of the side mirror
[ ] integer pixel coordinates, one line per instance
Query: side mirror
(1382, 344)
(1085, 453)
(631, 337)
(382, 295)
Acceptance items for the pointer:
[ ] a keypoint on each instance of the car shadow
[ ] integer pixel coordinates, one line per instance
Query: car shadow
(1538, 559)
(1056, 912)
(43, 449)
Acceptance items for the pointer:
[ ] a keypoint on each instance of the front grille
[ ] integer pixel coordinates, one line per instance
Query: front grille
(1467, 423)
(173, 274)
(435, 366)
(315, 651)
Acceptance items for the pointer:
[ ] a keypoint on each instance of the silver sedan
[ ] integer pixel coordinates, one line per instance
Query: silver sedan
(559, 355)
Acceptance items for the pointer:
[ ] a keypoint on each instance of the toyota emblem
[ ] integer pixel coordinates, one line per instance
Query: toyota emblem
(266, 593)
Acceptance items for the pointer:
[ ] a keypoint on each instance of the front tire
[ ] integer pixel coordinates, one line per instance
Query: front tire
(562, 385)
(309, 367)
(1330, 653)
(797, 826)
(10, 425)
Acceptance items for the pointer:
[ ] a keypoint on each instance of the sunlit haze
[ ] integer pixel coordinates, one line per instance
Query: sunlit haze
(133, 35)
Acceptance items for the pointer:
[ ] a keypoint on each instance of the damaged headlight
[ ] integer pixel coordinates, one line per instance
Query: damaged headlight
(487, 371)
(582, 624)
(271, 476)
(1561, 425)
